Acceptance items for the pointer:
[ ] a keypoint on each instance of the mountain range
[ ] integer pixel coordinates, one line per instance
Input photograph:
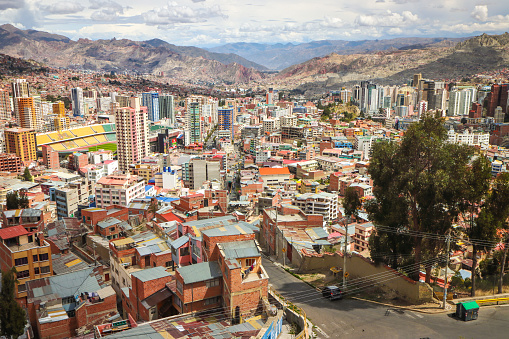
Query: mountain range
(391, 61)
(280, 56)
(466, 59)
(188, 64)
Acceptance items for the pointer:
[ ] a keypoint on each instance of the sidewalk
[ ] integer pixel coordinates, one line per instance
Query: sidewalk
(428, 308)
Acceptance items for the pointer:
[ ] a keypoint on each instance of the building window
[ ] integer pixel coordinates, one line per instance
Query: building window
(112, 229)
(212, 282)
(23, 274)
(35, 257)
(212, 301)
(36, 270)
(43, 257)
(184, 251)
(22, 288)
(20, 261)
(168, 263)
(178, 302)
(45, 269)
(179, 287)
(250, 262)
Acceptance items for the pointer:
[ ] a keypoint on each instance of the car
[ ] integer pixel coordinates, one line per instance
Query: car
(332, 292)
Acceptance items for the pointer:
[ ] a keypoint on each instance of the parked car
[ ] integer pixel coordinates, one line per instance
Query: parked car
(332, 292)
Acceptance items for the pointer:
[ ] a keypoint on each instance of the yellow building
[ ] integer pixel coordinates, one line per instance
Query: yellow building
(21, 141)
(28, 252)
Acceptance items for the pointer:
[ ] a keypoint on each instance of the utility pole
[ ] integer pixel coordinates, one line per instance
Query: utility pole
(95, 258)
(446, 268)
(283, 242)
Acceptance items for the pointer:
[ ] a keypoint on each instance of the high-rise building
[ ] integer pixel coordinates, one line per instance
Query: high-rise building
(61, 121)
(225, 120)
(497, 97)
(459, 102)
(166, 108)
(122, 100)
(50, 157)
(5, 105)
(193, 123)
(151, 101)
(78, 105)
(20, 88)
(21, 141)
(270, 97)
(27, 114)
(132, 134)
(417, 79)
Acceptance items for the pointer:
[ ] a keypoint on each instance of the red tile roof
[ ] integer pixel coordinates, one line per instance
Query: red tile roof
(12, 232)
(274, 171)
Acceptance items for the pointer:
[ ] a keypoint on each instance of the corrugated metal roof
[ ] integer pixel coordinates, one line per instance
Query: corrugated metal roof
(200, 272)
(151, 274)
(12, 232)
(180, 242)
(108, 222)
(240, 249)
(228, 230)
(316, 233)
(143, 251)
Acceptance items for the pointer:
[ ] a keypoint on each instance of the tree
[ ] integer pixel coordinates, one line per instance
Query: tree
(499, 209)
(27, 176)
(12, 316)
(23, 199)
(351, 202)
(476, 210)
(423, 174)
(15, 200)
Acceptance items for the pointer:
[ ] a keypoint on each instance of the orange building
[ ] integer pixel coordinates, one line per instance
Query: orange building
(26, 112)
(28, 252)
(21, 141)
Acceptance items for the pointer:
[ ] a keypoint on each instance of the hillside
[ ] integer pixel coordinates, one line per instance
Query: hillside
(280, 56)
(10, 66)
(475, 55)
(188, 64)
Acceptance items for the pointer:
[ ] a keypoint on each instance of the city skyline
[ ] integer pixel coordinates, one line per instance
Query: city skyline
(215, 22)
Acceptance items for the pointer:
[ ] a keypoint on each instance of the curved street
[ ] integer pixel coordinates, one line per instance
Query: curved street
(350, 318)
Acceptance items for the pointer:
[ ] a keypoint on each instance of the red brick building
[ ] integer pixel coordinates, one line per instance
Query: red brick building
(50, 157)
(60, 305)
(10, 163)
(91, 216)
(286, 216)
(149, 298)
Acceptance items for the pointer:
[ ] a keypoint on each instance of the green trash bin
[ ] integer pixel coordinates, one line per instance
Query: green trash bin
(468, 310)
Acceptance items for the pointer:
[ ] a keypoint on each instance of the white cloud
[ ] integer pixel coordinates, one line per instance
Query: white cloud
(387, 19)
(8, 4)
(107, 10)
(177, 14)
(63, 7)
(480, 13)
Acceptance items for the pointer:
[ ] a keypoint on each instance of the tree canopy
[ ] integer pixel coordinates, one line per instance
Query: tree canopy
(418, 186)
(12, 316)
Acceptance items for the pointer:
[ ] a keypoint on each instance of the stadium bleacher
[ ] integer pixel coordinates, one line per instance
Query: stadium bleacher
(76, 138)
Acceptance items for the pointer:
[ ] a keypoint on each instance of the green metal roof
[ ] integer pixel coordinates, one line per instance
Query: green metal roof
(470, 305)
(151, 273)
(200, 272)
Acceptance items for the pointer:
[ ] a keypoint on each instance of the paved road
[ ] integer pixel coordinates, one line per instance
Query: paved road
(350, 318)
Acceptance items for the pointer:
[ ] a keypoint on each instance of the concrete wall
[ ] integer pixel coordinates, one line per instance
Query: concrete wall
(359, 267)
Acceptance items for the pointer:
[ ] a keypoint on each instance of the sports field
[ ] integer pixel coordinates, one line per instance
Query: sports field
(110, 147)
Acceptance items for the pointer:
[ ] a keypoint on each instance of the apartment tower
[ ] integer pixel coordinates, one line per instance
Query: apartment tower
(132, 134)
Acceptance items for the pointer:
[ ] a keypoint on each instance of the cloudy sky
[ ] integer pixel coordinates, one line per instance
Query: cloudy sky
(215, 22)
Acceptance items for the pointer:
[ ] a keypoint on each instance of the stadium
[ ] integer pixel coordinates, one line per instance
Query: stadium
(92, 137)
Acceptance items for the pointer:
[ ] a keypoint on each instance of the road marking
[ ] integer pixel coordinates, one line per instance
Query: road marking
(322, 332)
(409, 315)
(417, 314)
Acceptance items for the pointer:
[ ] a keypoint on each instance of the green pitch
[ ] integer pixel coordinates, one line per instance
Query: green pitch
(108, 147)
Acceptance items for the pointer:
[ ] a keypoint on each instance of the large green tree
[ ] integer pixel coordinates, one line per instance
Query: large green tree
(15, 200)
(475, 208)
(422, 173)
(12, 316)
